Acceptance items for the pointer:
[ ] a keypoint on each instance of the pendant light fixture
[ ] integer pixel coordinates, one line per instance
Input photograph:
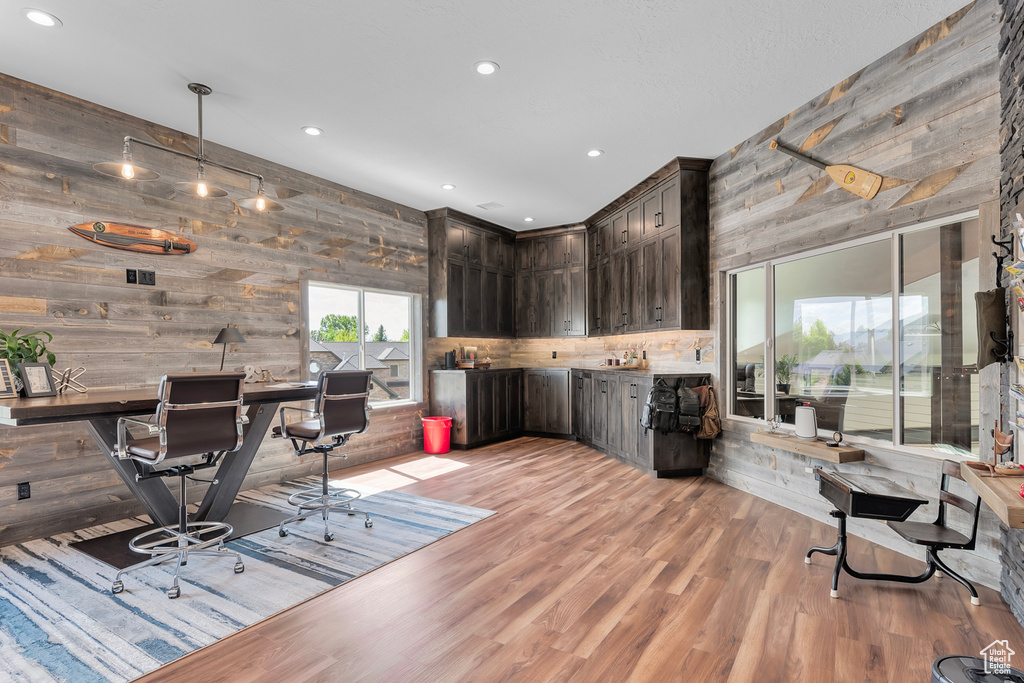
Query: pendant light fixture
(200, 187)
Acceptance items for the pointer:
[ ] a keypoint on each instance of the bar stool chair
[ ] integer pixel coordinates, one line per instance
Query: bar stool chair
(198, 414)
(342, 409)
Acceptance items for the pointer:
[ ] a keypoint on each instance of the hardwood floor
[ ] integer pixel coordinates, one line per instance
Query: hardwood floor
(593, 571)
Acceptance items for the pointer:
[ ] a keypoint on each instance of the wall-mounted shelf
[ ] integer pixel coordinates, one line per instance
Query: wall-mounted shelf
(999, 493)
(812, 449)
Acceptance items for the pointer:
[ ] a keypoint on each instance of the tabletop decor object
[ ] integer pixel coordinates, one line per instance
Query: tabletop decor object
(69, 380)
(38, 379)
(229, 335)
(7, 388)
(25, 348)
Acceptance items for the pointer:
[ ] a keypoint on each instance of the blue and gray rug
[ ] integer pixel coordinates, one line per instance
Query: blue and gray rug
(59, 621)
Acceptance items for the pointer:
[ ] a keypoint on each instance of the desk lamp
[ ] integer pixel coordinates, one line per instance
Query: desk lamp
(229, 335)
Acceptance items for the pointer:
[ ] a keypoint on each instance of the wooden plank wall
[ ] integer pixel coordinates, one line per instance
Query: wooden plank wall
(926, 117)
(246, 272)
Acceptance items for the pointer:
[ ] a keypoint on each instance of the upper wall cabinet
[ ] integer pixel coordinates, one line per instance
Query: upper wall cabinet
(649, 255)
(551, 282)
(472, 273)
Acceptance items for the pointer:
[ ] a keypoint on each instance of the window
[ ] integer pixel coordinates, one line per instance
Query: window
(825, 322)
(355, 329)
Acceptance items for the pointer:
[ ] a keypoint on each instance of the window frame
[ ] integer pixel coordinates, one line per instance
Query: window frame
(415, 378)
(893, 236)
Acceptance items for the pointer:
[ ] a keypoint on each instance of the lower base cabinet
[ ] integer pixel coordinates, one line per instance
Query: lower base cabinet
(485, 405)
(607, 406)
(546, 402)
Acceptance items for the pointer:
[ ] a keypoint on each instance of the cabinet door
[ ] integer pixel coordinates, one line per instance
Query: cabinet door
(542, 256)
(593, 302)
(629, 416)
(577, 302)
(650, 207)
(635, 295)
(614, 409)
(474, 305)
(506, 254)
(605, 238)
(620, 294)
(456, 241)
(506, 304)
(489, 302)
(669, 271)
(575, 248)
(526, 305)
(515, 401)
(534, 408)
(650, 306)
(600, 402)
(634, 225)
(559, 302)
(486, 407)
(668, 193)
(606, 315)
(500, 404)
(619, 231)
(593, 247)
(585, 397)
(557, 402)
(474, 245)
(456, 297)
(491, 249)
(524, 255)
(472, 408)
(644, 437)
(545, 304)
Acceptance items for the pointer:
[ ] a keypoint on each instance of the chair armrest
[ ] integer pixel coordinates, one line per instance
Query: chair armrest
(284, 425)
(122, 434)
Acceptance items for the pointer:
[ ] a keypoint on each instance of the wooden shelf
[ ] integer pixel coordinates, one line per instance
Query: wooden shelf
(812, 449)
(999, 493)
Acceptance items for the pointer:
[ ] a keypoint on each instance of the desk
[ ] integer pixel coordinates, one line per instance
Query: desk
(860, 495)
(100, 410)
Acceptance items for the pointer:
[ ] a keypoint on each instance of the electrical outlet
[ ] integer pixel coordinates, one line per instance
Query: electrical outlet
(24, 491)
(132, 276)
(147, 277)
(554, 354)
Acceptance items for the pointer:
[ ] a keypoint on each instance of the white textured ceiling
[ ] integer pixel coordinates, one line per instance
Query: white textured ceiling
(392, 83)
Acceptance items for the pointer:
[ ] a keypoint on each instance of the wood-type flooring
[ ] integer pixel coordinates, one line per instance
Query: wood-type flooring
(592, 571)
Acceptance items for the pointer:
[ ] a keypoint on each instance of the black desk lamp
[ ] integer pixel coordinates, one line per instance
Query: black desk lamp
(229, 335)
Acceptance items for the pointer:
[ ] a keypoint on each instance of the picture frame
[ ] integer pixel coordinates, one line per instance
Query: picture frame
(7, 388)
(38, 379)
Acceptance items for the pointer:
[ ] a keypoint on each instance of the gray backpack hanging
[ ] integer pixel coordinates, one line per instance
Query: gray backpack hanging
(660, 411)
(689, 410)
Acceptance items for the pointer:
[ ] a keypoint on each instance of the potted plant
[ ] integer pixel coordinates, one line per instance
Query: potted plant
(784, 372)
(25, 348)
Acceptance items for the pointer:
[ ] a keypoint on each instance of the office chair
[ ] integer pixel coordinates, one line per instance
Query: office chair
(341, 410)
(936, 536)
(198, 414)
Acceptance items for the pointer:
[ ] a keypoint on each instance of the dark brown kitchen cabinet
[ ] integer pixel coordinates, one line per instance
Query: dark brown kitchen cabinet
(659, 271)
(546, 402)
(552, 285)
(485, 405)
(471, 276)
(614, 401)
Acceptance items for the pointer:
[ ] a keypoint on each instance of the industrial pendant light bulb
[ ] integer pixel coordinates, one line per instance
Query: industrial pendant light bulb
(127, 170)
(201, 189)
(261, 203)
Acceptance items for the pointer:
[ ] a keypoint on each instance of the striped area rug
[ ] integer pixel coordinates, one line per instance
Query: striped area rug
(59, 621)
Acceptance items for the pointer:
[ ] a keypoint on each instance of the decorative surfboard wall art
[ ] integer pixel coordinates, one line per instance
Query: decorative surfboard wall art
(134, 238)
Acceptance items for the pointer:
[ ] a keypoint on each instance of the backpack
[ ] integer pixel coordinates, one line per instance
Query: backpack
(660, 411)
(710, 419)
(689, 410)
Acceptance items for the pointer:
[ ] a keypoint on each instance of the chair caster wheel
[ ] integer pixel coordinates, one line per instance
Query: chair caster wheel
(328, 537)
(173, 592)
(833, 594)
(975, 601)
(282, 532)
(117, 587)
(368, 524)
(239, 567)
(807, 560)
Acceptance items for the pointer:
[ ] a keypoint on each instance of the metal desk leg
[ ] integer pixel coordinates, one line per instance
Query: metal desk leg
(154, 495)
(838, 551)
(231, 473)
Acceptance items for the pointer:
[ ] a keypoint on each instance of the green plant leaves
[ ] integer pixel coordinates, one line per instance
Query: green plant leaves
(25, 348)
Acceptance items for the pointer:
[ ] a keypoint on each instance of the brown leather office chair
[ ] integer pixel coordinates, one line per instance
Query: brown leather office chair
(198, 414)
(936, 536)
(342, 409)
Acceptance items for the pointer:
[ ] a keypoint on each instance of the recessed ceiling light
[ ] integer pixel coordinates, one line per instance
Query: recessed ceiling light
(312, 130)
(447, 186)
(595, 152)
(38, 16)
(486, 68)
(528, 219)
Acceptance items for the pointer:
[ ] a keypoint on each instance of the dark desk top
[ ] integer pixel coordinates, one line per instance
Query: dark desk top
(872, 486)
(111, 403)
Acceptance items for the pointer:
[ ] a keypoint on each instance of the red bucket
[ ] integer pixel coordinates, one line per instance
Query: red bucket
(437, 434)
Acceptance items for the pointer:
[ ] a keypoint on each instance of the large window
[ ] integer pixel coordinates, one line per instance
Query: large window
(354, 329)
(819, 330)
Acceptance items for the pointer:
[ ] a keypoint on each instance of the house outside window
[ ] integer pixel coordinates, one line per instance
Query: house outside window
(824, 329)
(361, 329)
